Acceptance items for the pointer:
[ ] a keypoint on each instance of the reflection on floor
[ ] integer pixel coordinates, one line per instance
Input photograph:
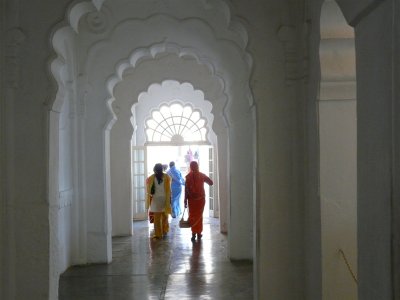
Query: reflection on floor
(172, 268)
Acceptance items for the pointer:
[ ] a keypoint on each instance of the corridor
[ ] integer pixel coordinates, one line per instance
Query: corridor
(173, 268)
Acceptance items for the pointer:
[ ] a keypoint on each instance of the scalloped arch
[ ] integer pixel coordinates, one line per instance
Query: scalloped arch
(58, 66)
(150, 53)
(172, 91)
(141, 54)
(93, 94)
(82, 8)
(155, 18)
(157, 87)
(176, 121)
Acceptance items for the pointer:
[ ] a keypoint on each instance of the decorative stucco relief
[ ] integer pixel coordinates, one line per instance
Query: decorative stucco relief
(15, 39)
(174, 90)
(214, 21)
(65, 198)
(152, 54)
(97, 22)
(81, 104)
(217, 11)
(169, 93)
(295, 50)
(108, 16)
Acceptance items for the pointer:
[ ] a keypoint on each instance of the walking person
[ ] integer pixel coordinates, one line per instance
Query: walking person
(195, 198)
(176, 189)
(158, 188)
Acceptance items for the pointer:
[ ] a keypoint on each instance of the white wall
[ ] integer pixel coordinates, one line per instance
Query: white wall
(338, 197)
(66, 188)
(338, 154)
(278, 81)
(377, 112)
(222, 45)
(26, 91)
(120, 164)
(285, 219)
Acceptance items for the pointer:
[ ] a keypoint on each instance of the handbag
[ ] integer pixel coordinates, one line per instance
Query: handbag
(184, 223)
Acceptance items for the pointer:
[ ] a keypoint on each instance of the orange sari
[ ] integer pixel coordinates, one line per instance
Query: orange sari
(195, 196)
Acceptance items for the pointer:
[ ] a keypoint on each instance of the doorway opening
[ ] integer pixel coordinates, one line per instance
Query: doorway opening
(144, 159)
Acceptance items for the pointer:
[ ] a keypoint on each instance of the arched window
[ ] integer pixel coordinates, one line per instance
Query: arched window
(177, 124)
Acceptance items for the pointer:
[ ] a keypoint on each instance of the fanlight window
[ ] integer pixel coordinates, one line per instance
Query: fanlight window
(177, 124)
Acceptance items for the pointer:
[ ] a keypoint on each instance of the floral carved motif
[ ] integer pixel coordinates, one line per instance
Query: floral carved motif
(97, 22)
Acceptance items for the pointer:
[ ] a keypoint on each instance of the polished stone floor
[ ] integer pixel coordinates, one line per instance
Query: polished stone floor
(172, 268)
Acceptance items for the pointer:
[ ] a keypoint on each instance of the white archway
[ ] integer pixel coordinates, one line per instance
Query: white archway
(133, 107)
(104, 32)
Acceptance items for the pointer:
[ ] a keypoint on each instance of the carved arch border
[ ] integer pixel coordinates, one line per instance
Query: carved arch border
(65, 34)
(163, 88)
(148, 54)
(63, 65)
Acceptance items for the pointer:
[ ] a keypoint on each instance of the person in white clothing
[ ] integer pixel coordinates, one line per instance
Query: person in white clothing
(158, 200)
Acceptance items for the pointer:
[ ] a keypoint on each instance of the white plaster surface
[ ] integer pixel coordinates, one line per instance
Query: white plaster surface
(375, 114)
(338, 155)
(338, 197)
(263, 63)
(227, 59)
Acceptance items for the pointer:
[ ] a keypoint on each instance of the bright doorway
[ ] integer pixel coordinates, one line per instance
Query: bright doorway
(144, 159)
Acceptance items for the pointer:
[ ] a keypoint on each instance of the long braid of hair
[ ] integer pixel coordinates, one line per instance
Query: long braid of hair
(158, 171)
(159, 178)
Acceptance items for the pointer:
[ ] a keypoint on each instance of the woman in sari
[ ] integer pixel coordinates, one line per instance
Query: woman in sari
(176, 189)
(195, 198)
(158, 200)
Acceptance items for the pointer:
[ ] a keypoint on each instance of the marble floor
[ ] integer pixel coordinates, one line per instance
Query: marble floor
(172, 268)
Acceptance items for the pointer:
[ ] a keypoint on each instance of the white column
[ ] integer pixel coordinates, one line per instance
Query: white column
(121, 202)
(96, 178)
(240, 178)
(338, 150)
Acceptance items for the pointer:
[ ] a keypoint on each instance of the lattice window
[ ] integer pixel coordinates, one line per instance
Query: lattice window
(177, 124)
